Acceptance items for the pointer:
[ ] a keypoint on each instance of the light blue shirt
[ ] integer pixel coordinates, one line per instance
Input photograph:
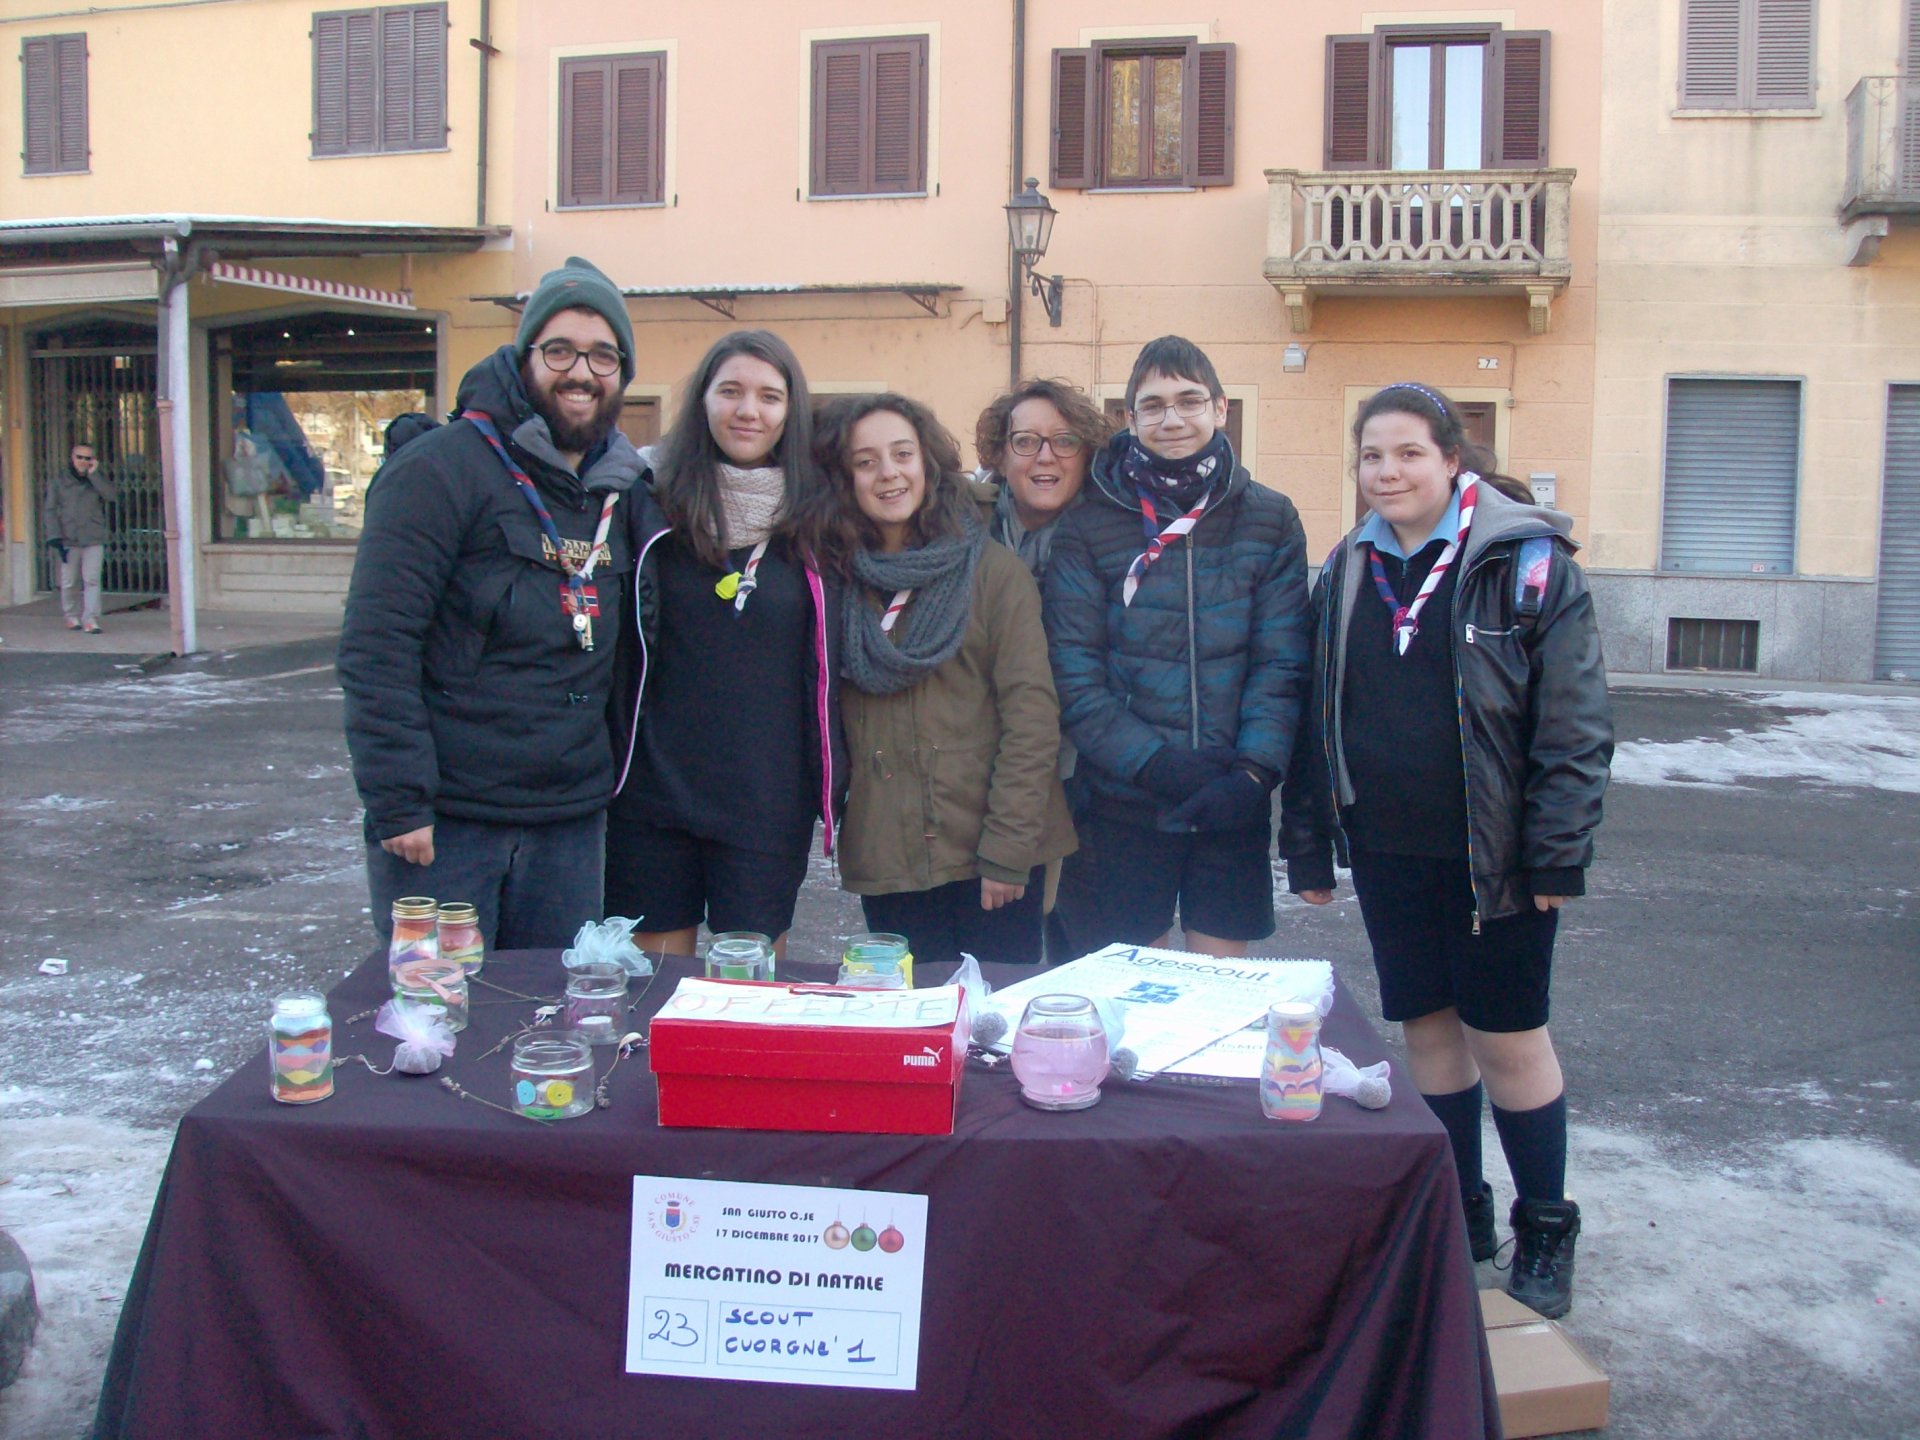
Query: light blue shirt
(1379, 534)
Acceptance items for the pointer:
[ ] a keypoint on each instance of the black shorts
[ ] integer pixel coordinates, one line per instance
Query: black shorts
(1419, 914)
(1125, 883)
(673, 880)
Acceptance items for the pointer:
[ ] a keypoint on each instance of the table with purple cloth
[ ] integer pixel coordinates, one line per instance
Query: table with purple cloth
(398, 1262)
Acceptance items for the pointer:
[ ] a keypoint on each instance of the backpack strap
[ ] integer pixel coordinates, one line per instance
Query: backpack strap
(1532, 566)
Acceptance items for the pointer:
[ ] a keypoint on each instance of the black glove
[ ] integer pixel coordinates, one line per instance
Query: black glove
(1236, 801)
(1174, 775)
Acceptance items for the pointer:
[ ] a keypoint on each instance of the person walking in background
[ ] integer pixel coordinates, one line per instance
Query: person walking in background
(76, 511)
(1037, 442)
(955, 803)
(478, 645)
(1457, 749)
(1176, 612)
(728, 725)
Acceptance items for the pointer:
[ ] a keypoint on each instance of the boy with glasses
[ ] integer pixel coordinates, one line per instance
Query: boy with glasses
(1176, 613)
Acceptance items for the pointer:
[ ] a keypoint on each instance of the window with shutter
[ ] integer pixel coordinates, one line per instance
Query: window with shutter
(612, 122)
(53, 96)
(1732, 476)
(1746, 54)
(380, 80)
(1143, 113)
(869, 117)
(1447, 97)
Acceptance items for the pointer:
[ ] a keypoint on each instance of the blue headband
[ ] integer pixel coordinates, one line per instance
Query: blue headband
(1439, 404)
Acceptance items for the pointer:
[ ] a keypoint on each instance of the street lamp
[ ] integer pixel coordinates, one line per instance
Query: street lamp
(1030, 226)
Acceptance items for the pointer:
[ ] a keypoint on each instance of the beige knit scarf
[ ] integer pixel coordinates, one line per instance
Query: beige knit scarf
(750, 501)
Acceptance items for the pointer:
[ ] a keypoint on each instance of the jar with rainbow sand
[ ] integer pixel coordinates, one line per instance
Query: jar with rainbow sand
(300, 1048)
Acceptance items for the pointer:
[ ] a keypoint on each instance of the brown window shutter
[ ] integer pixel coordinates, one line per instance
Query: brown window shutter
(1516, 128)
(40, 104)
(71, 148)
(899, 159)
(429, 77)
(362, 84)
(395, 104)
(1783, 55)
(639, 121)
(583, 132)
(1071, 163)
(330, 85)
(1355, 138)
(1212, 87)
(1910, 41)
(841, 127)
(1710, 54)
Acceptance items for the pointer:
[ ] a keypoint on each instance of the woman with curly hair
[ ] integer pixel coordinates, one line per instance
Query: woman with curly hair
(955, 801)
(1037, 441)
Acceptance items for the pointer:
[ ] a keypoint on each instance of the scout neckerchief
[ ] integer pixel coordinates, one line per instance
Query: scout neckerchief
(578, 599)
(737, 585)
(894, 607)
(1157, 540)
(1406, 618)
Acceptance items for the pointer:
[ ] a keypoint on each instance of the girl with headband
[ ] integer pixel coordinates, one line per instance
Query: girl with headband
(1456, 751)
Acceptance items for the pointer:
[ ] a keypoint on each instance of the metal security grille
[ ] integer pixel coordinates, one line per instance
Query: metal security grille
(1897, 637)
(104, 394)
(1713, 645)
(1732, 476)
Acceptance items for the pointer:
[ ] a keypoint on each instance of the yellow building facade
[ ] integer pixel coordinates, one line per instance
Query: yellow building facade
(1756, 431)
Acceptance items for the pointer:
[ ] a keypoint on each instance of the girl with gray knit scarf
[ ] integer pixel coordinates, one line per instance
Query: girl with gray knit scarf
(951, 721)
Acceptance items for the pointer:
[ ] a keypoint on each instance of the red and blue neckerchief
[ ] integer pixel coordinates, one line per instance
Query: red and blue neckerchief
(1406, 618)
(581, 602)
(1157, 540)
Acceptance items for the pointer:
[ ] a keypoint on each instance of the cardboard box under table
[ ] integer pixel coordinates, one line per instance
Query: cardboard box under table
(751, 1056)
(1547, 1384)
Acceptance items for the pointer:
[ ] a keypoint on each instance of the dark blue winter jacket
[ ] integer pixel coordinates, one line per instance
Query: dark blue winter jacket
(1214, 650)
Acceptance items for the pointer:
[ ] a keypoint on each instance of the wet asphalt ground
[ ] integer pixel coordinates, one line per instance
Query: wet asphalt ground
(1735, 1005)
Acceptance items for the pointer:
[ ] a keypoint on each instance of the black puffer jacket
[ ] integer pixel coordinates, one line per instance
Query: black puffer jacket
(1536, 731)
(467, 693)
(1214, 650)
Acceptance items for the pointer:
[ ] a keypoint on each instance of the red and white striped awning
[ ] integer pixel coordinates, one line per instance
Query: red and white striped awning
(232, 274)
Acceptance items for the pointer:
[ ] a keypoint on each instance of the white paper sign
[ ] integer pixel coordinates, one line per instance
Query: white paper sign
(823, 1005)
(789, 1284)
(1175, 1002)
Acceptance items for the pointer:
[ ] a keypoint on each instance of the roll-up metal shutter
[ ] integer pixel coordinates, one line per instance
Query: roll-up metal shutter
(1897, 643)
(1732, 476)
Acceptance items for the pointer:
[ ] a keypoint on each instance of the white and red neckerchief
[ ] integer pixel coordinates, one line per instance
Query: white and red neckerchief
(1159, 542)
(745, 583)
(1406, 618)
(894, 607)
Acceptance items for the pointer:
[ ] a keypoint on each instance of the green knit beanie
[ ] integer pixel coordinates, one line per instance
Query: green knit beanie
(577, 285)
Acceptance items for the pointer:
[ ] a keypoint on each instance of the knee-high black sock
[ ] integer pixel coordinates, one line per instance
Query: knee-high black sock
(1460, 1113)
(1536, 1146)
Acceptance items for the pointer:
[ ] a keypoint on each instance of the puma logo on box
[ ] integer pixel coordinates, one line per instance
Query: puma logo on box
(927, 1059)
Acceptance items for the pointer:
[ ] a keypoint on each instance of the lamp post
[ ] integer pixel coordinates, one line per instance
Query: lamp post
(1030, 227)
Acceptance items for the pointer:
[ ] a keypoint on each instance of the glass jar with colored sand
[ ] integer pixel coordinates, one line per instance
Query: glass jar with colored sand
(552, 1074)
(300, 1048)
(460, 937)
(416, 935)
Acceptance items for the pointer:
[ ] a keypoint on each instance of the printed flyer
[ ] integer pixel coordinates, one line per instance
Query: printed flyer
(785, 1284)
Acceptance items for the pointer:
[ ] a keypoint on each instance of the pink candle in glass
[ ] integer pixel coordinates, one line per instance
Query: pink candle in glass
(1060, 1053)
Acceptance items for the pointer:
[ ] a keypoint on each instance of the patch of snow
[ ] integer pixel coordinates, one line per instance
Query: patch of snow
(1864, 741)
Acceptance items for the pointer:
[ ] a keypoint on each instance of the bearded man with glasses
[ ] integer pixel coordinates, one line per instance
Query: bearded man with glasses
(478, 646)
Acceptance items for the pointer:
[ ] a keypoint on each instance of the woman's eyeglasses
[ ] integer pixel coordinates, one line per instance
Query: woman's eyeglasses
(1025, 443)
(560, 356)
(1187, 407)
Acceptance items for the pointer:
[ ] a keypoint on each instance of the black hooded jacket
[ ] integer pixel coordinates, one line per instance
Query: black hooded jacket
(467, 693)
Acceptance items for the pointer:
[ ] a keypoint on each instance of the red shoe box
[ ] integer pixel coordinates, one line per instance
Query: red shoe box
(874, 1081)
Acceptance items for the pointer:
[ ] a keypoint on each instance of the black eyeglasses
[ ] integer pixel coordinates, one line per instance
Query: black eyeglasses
(1026, 442)
(560, 356)
(1187, 407)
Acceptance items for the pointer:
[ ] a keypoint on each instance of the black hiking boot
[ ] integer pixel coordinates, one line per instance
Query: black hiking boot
(1479, 1207)
(1543, 1235)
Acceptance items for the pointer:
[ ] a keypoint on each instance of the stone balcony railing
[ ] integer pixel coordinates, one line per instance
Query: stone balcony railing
(1418, 231)
(1883, 161)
